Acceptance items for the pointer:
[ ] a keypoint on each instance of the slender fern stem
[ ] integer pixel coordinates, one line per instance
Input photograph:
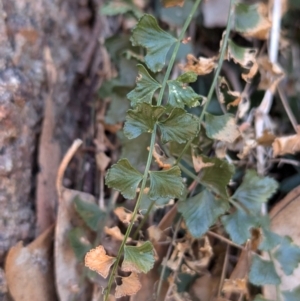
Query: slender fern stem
(149, 160)
(217, 73)
(121, 249)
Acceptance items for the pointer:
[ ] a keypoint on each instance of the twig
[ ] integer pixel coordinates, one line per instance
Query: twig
(228, 241)
(266, 103)
(88, 54)
(64, 163)
(166, 258)
(224, 268)
(287, 161)
(287, 108)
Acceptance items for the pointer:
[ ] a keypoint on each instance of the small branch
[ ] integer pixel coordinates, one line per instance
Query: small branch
(224, 268)
(286, 161)
(228, 241)
(64, 164)
(166, 258)
(287, 108)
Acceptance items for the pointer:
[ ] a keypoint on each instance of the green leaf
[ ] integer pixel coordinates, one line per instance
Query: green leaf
(187, 77)
(292, 295)
(138, 259)
(148, 34)
(137, 156)
(141, 120)
(288, 254)
(179, 126)
(146, 201)
(167, 15)
(222, 127)
(216, 177)
(261, 298)
(124, 178)
(79, 243)
(270, 240)
(263, 272)
(145, 87)
(89, 212)
(181, 95)
(250, 21)
(238, 225)
(115, 8)
(202, 211)
(255, 190)
(118, 106)
(166, 183)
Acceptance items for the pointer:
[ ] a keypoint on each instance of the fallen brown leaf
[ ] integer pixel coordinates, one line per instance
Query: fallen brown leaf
(68, 272)
(29, 269)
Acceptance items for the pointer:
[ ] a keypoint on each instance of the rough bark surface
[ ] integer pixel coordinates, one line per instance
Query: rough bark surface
(35, 108)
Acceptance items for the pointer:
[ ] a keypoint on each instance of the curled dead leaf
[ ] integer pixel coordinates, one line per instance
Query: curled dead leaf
(266, 139)
(245, 57)
(130, 286)
(200, 66)
(199, 164)
(237, 99)
(161, 159)
(124, 215)
(154, 233)
(271, 74)
(249, 75)
(286, 145)
(226, 96)
(97, 260)
(115, 232)
(236, 286)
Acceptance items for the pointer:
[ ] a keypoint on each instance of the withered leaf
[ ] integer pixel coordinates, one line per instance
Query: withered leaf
(286, 145)
(124, 215)
(97, 260)
(235, 286)
(200, 66)
(130, 286)
(271, 74)
(199, 164)
(115, 232)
